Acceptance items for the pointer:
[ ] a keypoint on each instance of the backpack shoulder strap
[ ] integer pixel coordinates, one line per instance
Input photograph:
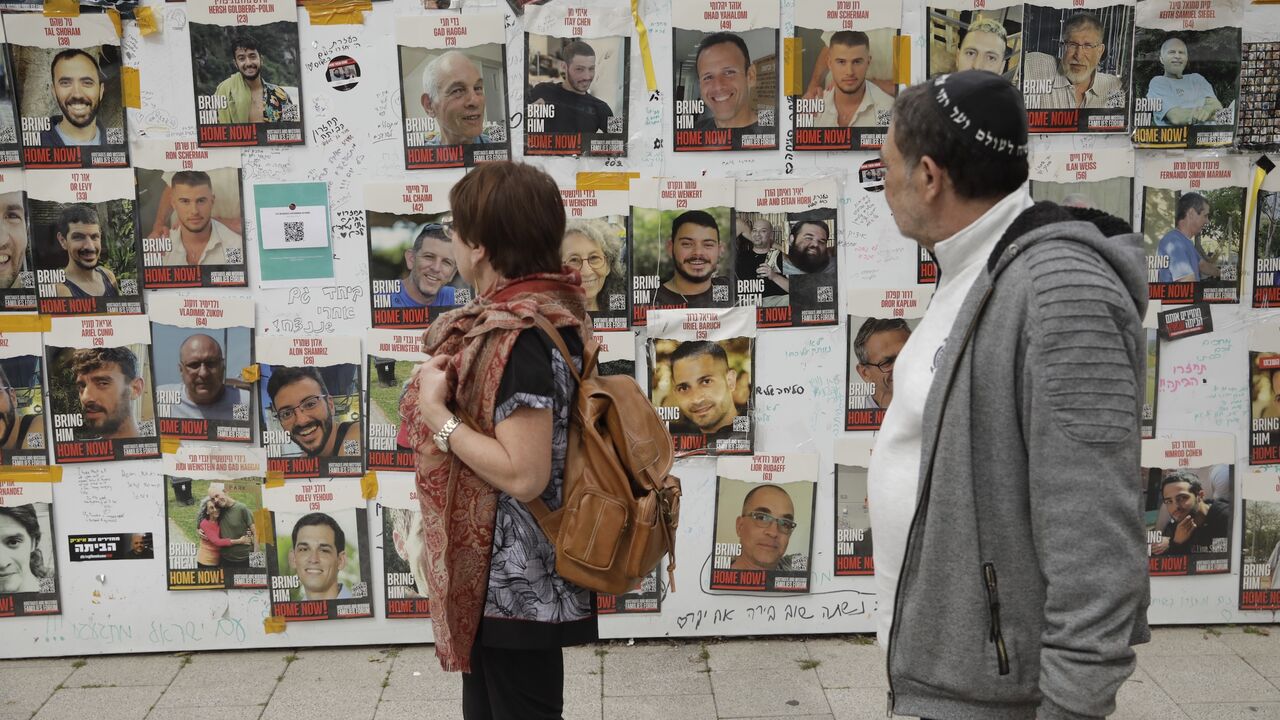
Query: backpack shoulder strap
(546, 327)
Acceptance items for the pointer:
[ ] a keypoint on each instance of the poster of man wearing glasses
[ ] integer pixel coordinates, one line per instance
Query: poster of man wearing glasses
(880, 322)
(1075, 71)
(764, 523)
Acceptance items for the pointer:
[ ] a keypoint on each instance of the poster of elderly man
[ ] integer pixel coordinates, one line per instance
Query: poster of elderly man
(1075, 70)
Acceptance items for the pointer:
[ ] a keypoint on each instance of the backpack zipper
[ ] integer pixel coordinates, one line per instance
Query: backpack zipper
(993, 603)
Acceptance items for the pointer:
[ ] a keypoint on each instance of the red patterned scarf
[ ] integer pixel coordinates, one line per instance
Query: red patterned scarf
(458, 508)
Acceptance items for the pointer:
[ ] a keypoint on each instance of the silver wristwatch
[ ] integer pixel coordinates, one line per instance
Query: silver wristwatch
(441, 437)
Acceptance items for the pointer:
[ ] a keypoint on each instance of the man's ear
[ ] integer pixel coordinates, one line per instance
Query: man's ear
(863, 372)
(731, 379)
(342, 560)
(62, 240)
(135, 387)
(426, 105)
(751, 76)
(933, 177)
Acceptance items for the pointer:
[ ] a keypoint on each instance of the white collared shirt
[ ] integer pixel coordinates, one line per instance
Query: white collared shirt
(221, 239)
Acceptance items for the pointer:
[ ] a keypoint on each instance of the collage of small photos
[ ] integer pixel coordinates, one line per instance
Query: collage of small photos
(131, 265)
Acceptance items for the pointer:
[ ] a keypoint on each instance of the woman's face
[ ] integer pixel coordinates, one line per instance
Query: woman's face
(211, 510)
(579, 250)
(15, 556)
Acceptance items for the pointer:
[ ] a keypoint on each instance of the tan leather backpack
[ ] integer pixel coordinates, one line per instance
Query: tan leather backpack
(621, 505)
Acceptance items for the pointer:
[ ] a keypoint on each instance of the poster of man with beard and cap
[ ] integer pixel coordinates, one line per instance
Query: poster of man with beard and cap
(413, 274)
(100, 389)
(248, 75)
(17, 264)
(212, 494)
(67, 73)
(23, 437)
(853, 551)
(1188, 501)
(596, 244)
(1260, 540)
(393, 354)
(190, 215)
(311, 409)
(404, 572)
(974, 35)
(1094, 179)
(680, 244)
(202, 347)
(318, 560)
(453, 89)
(764, 523)
(880, 322)
(1075, 74)
(785, 251)
(28, 562)
(84, 244)
(725, 66)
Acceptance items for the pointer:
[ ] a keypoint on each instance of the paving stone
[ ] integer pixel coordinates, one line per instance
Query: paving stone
(583, 660)
(1232, 711)
(341, 700)
(110, 703)
(26, 687)
(229, 712)
(582, 699)
(858, 703)
(781, 693)
(1268, 666)
(1183, 641)
(354, 666)
(414, 710)
(125, 670)
(1209, 679)
(226, 679)
(647, 707)
(844, 664)
(1254, 643)
(429, 683)
(643, 670)
(754, 654)
(1142, 698)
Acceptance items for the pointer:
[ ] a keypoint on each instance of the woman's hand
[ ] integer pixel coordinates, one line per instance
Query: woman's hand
(434, 389)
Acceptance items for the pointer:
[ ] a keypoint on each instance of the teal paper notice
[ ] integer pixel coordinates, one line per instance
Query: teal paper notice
(293, 233)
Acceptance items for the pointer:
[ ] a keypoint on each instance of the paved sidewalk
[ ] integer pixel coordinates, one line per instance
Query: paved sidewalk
(1185, 673)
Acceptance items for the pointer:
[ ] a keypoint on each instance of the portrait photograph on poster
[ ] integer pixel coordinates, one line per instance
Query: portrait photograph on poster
(1188, 486)
(975, 36)
(1258, 125)
(764, 523)
(880, 325)
(10, 148)
(393, 355)
(311, 407)
(1266, 246)
(30, 584)
(23, 437)
(1075, 67)
(597, 244)
(1093, 179)
(1260, 541)
(404, 576)
(853, 554)
(17, 272)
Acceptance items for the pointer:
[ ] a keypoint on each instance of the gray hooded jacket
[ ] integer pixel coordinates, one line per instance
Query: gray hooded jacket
(1024, 583)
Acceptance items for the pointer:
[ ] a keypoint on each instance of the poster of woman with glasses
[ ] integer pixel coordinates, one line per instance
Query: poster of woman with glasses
(880, 323)
(310, 398)
(1075, 73)
(596, 244)
(764, 523)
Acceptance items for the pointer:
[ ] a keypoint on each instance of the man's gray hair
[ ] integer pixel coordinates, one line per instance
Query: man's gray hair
(431, 73)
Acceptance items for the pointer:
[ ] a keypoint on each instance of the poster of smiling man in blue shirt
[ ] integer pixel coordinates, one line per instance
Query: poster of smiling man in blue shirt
(1184, 262)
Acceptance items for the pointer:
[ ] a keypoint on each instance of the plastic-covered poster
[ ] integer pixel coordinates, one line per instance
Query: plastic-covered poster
(1188, 486)
(190, 215)
(764, 523)
(1264, 384)
(1260, 545)
(212, 495)
(880, 321)
(202, 347)
(413, 274)
(67, 72)
(847, 74)
(1193, 226)
(84, 244)
(853, 554)
(23, 437)
(680, 244)
(393, 354)
(784, 252)
(10, 155)
(725, 68)
(311, 405)
(597, 244)
(701, 375)
(100, 389)
(644, 598)
(1258, 124)
(1151, 389)
(1097, 179)
(1266, 245)
(29, 585)
(318, 560)
(617, 353)
(404, 576)
(1186, 73)
(453, 88)
(577, 80)
(1075, 66)
(17, 263)
(975, 35)
(248, 73)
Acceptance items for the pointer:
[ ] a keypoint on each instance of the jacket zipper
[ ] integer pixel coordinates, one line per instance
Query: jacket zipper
(993, 603)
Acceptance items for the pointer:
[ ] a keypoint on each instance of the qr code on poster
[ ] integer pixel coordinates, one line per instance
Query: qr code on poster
(240, 411)
(234, 256)
(35, 440)
(295, 231)
(825, 293)
(617, 301)
(614, 124)
(129, 286)
(720, 293)
(351, 447)
(147, 428)
(764, 116)
(497, 133)
(257, 559)
(115, 136)
(48, 586)
(359, 589)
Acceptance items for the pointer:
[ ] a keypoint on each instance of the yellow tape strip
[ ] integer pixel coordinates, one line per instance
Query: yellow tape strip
(130, 87)
(273, 625)
(146, 17)
(169, 445)
(115, 20)
(250, 373)
(263, 528)
(62, 8)
(275, 478)
(606, 180)
(1259, 174)
(642, 34)
(902, 60)
(342, 12)
(369, 485)
(33, 473)
(792, 66)
(26, 323)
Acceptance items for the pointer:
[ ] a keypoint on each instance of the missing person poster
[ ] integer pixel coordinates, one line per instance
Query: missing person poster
(393, 355)
(853, 519)
(617, 352)
(453, 89)
(1151, 389)
(10, 148)
(644, 598)
(201, 347)
(784, 253)
(100, 389)
(84, 244)
(1264, 383)
(30, 583)
(1188, 486)
(190, 215)
(319, 562)
(680, 244)
(1075, 67)
(1258, 124)
(67, 73)
(701, 375)
(1186, 70)
(1266, 246)
(311, 408)
(974, 35)
(764, 523)
(404, 576)
(596, 244)
(247, 73)
(725, 66)
(577, 80)
(1094, 179)
(880, 321)
(1193, 226)
(1260, 540)
(17, 264)
(24, 441)
(847, 77)
(212, 493)
(413, 274)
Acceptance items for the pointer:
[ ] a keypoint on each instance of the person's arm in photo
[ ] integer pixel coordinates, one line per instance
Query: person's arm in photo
(817, 81)
(164, 209)
(769, 272)
(210, 531)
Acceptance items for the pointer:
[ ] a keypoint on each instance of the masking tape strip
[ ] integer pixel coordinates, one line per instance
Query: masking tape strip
(146, 17)
(250, 373)
(26, 323)
(169, 444)
(369, 485)
(131, 87)
(33, 473)
(793, 78)
(275, 478)
(115, 20)
(1260, 170)
(273, 625)
(350, 12)
(262, 528)
(62, 8)
(902, 60)
(605, 180)
(642, 34)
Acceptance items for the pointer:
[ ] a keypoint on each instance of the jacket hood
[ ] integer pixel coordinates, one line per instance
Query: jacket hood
(1109, 236)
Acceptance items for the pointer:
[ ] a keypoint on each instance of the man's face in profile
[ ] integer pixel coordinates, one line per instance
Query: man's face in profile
(981, 51)
(317, 561)
(849, 65)
(695, 251)
(882, 350)
(763, 541)
(221, 498)
(703, 387)
(249, 63)
(83, 243)
(306, 414)
(77, 88)
(460, 108)
(203, 369)
(13, 239)
(432, 267)
(726, 85)
(1173, 57)
(106, 399)
(1195, 220)
(1081, 51)
(194, 204)
(581, 70)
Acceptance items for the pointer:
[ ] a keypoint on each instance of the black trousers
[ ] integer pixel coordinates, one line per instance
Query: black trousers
(513, 684)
